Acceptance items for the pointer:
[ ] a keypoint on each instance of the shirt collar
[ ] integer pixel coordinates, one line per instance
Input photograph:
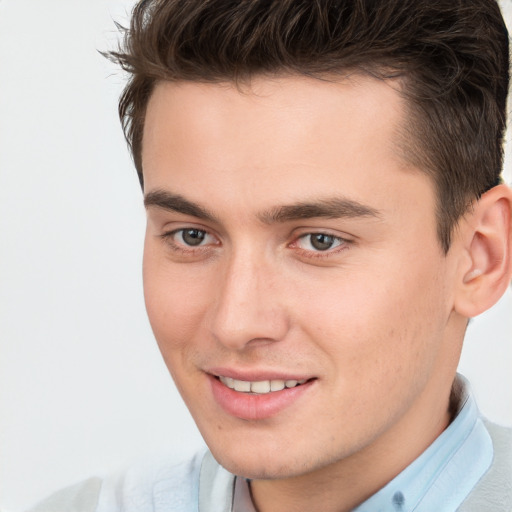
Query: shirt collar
(444, 474)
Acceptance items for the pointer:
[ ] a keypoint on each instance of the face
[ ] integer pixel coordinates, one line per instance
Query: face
(293, 276)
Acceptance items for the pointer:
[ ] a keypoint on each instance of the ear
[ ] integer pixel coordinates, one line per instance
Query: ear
(485, 270)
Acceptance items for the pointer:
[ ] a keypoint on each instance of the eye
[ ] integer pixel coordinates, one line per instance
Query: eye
(192, 237)
(187, 239)
(189, 244)
(319, 242)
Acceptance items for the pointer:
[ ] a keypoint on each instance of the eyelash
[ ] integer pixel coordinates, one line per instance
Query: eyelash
(343, 243)
(183, 248)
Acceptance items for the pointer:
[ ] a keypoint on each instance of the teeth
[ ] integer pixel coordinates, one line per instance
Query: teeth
(241, 385)
(259, 387)
(277, 385)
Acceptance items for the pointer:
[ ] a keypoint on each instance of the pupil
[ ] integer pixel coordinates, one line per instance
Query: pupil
(322, 242)
(193, 236)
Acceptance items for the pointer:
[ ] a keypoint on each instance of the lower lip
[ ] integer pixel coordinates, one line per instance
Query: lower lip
(248, 406)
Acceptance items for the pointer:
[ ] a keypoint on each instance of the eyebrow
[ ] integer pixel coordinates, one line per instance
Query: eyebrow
(176, 203)
(333, 208)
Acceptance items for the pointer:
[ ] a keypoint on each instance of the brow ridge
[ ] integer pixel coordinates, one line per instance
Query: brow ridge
(333, 208)
(176, 203)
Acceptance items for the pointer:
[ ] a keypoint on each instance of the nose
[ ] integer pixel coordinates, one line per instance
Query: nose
(249, 308)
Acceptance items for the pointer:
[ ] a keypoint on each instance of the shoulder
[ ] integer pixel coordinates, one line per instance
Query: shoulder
(494, 490)
(151, 487)
(79, 497)
(501, 436)
(501, 468)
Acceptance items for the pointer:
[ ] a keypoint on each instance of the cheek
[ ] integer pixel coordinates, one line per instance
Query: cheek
(380, 326)
(176, 299)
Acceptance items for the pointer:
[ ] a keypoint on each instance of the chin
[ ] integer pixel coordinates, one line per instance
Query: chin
(259, 463)
(256, 458)
(260, 469)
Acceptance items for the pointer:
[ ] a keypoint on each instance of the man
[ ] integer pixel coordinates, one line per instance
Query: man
(325, 213)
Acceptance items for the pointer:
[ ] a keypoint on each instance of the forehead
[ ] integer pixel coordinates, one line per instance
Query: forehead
(284, 109)
(284, 136)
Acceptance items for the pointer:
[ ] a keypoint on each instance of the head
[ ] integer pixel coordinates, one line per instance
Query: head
(321, 181)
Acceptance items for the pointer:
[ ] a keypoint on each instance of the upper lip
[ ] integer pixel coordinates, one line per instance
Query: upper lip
(255, 375)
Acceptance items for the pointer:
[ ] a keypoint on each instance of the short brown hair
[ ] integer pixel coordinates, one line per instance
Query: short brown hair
(450, 55)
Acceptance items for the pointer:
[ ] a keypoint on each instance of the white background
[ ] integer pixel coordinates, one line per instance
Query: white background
(82, 386)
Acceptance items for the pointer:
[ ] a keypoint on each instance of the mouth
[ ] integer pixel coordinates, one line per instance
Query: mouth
(261, 398)
(260, 387)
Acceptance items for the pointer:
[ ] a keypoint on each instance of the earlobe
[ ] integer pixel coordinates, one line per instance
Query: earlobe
(486, 274)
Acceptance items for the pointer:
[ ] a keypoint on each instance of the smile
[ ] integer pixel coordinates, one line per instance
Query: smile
(258, 399)
(261, 387)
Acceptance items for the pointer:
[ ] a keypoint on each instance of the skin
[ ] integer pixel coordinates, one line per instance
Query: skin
(372, 319)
